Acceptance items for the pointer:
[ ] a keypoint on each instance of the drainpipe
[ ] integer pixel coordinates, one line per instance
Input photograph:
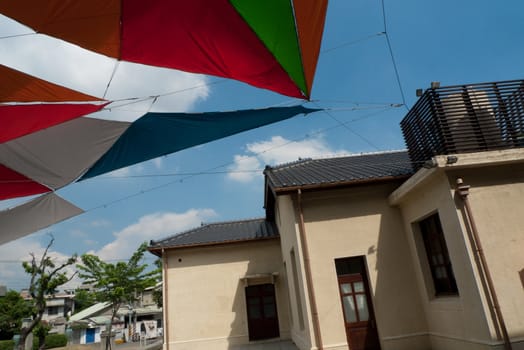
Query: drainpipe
(463, 191)
(309, 279)
(165, 308)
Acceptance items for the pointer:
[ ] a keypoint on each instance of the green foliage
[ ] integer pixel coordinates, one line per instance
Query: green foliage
(41, 330)
(51, 341)
(7, 345)
(157, 297)
(83, 299)
(13, 308)
(120, 282)
(117, 282)
(158, 293)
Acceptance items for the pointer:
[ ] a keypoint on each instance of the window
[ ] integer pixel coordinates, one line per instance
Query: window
(52, 310)
(438, 257)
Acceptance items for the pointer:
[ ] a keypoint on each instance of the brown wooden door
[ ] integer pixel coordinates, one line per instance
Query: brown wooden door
(262, 317)
(359, 320)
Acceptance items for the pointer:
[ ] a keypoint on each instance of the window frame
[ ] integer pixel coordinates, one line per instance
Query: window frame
(437, 256)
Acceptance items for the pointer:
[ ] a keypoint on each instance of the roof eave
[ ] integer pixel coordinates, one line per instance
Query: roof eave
(331, 185)
(158, 250)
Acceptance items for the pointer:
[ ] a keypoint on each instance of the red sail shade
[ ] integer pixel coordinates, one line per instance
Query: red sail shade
(271, 44)
(20, 120)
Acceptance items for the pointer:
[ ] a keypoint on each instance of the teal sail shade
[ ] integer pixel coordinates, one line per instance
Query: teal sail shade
(157, 134)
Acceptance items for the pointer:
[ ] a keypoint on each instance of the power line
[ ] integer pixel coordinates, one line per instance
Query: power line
(353, 42)
(214, 169)
(392, 56)
(17, 35)
(350, 129)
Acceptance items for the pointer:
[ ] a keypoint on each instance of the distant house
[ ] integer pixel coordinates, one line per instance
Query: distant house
(88, 324)
(417, 249)
(58, 306)
(132, 322)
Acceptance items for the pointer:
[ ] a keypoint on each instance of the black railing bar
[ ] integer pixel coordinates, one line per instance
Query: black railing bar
(503, 82)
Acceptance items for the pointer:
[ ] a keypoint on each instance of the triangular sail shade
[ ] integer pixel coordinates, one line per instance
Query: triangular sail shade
(22, 119)
(16, 86)
(272, 44)
(157, 134)
(14, 184)
(35, 215)
(58, 155)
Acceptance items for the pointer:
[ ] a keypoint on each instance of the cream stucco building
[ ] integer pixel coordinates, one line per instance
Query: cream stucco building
(394, 250)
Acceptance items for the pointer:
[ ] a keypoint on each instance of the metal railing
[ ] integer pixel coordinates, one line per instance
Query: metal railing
(465, 118)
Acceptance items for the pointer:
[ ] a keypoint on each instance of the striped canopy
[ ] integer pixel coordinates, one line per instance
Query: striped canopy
(271, 44)
(49, 138)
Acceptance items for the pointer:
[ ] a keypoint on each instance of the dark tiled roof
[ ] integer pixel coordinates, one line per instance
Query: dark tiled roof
(340, 170)
(220, 232)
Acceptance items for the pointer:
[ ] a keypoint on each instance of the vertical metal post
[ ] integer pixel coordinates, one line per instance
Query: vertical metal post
(463, 191)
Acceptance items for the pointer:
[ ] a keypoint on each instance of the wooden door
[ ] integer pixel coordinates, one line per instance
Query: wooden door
(262, 317)
(359, 319)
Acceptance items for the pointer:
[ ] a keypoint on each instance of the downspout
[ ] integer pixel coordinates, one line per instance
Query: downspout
(165, 298)
(309, 279)
(463, 191)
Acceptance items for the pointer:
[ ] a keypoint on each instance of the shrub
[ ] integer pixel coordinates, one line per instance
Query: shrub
(55, 341)
(7, 344)
(51, 341)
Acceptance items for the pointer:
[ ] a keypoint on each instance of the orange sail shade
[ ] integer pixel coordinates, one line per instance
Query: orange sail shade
(16, 86)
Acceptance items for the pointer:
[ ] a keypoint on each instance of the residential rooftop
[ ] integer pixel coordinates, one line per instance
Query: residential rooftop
(309, 173)
(218, 233)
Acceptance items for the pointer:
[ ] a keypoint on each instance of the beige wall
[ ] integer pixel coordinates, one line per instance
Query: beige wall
(205, 302)
(355, 222)
(301, 323)
(497, 193)
(497, 202)
(453, 322)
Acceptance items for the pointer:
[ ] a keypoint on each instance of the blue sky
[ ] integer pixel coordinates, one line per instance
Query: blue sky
(454, 42)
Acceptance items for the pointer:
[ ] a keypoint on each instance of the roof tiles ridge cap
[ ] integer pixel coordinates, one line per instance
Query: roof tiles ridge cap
(261, 218)
(233, 240)
(191, 231)
(348, 155)
(176, 235)
(287, 164)
(333, 156)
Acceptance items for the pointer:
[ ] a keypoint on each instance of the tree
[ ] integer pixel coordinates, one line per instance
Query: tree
(157, 293)
(117, 283)
(83, 299)
(13, 308)
(46, 277)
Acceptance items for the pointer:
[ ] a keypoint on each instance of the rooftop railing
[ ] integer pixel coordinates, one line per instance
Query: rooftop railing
(465, 118)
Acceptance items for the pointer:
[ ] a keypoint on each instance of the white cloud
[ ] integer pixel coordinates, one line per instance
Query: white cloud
(277, 150)
(139, 168)
(79, 69)
(241, 170)
(152, 226)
